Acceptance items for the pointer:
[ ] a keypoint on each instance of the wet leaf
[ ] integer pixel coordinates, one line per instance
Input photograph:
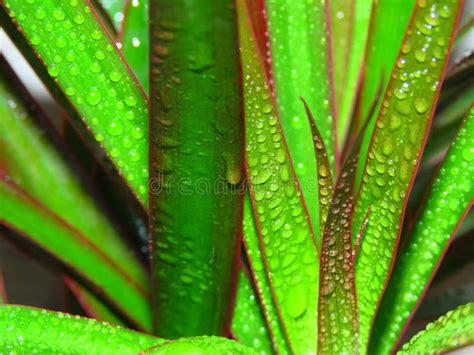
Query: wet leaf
(325, 182)
(201, 345)
(386, 30)
(134, 38)
(85, 71)
(30, 218)
(284, 230)
(255, 258)
(452, 331)
(338, 325)
(196, 165)
(248, 322)
(395, 149)
(300, 68)
(29, 330)
(448, 202)
(33, 162)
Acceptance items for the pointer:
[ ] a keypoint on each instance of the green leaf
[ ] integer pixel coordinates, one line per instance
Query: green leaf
(255, 257)
(92, 305)
(300, 68)
(28, 330)
(114, 9)
(134, 38)
(201, 345)
(35, 163)
(86, 72)
(387, 28)
(283, 226)
(452, 331)
(337, 304)
(196, 162)
(29, 217)
(248, 322)
(362, 11)
(395, 149)
(326, 189)
(450, 198)
(341, 17)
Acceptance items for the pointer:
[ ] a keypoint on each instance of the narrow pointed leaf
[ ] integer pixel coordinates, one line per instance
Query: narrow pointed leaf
(338, 325)
(28, 330)
(451, 195)
(387, 27)
(325, 182)
(395, 149)
(248, 322)
(452, 331)
(28, 217)
(201, 345)
(114, 9)
(196, 162)
(86, 72)
(134, 38)
(257, 265)
(284, 229)
(300, 68)
(360, 29)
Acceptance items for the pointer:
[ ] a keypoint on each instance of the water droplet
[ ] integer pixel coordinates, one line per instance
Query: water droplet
(421, 105)
(94, 97)
(115, 76)
(297, 301)
(115, 128)
(130, 100)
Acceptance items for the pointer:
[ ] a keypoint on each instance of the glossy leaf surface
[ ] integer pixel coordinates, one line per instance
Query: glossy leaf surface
(395, 148)
(452, 331)
(23, 140)
(300, 68)
(196, 162)
(283, 226)
(86, 71)
(257, 265)
(386, 32)
(338, 325)
(134, 38)
(27, 216)
(201, 345)
(323, 167)
(28, 330)
(248, 322)
(451, 195)
(33, 162)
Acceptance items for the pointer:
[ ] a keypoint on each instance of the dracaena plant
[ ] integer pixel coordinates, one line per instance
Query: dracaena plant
(270, 176)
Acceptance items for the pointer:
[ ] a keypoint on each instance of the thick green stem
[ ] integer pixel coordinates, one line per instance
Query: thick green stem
(196, 158)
